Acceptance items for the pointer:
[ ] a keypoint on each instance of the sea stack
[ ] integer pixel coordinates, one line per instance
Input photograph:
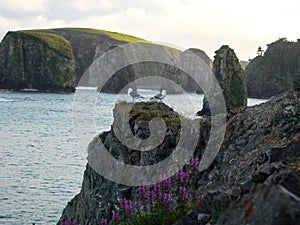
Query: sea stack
(231, 78)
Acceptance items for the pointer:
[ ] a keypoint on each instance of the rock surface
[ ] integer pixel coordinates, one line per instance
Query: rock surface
(31, 60)
(275, 71)
(232, 79)
(250, 180)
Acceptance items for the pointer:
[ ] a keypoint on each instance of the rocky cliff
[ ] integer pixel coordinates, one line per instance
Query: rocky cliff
(36, 61)
(231, 77)
(253, 180)
(26, 57)
(275, 71)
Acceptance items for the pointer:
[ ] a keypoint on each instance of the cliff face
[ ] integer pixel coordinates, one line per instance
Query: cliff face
(89, 44)
(275, 71)
(26, 58)
(36, 61)
(250, 178)
(231, 78)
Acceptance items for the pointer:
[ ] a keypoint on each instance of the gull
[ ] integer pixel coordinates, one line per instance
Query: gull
(162, 94)
(134, 94)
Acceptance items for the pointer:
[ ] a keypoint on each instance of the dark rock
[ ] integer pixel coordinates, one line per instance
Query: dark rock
(275, 71)
(275, 153)
(265, 204)
(193, 217)
(288, 179)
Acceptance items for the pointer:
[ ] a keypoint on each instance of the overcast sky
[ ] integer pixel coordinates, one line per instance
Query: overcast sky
(243, 25)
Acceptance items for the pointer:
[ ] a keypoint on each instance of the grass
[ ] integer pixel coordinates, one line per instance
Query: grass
(114, 35)
(55, 42)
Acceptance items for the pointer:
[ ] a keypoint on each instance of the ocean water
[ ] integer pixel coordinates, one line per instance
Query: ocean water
(41, 162)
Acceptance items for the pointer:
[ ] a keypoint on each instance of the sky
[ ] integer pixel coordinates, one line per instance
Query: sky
(207, 25)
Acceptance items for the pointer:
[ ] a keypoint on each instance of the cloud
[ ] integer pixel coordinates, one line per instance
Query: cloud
(21, 5)
(187, 23)
(7, 25)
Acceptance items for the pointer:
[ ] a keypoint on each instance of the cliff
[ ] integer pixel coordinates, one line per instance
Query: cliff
(36, 61)
(232, 80)
(253, 175)
(37, 56)
(275, 71)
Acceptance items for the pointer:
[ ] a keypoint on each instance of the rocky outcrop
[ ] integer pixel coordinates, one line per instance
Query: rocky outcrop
(22, 66)
(99, 196)
(275, 71)
(261, 144)
(253, 172)
(232, 80)
(31, 60)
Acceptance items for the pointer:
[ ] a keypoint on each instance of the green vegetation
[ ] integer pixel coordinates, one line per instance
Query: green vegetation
(53, 41)
(114, 35)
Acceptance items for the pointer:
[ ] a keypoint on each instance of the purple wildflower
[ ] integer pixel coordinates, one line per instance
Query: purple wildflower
(166, 181)
(186, 196)
(181, 175)
(138, 204)
(178, 173)
(167, 197)
(64, 222)
(156, 187)
(195, 162)
(185, 176)
(182, 190)
(151, 196)
(103, 221)
(200, 197)
(115, 216)
(142, 191)
(160, 196)
(128, 207)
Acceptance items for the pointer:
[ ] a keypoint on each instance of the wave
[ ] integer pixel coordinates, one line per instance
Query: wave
(6, 100)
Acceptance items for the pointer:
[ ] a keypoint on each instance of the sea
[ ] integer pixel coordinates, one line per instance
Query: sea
(41, 160)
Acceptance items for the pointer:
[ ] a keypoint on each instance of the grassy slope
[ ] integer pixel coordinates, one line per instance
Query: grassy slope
(55, 42)
(114, 35)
